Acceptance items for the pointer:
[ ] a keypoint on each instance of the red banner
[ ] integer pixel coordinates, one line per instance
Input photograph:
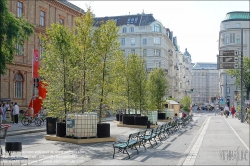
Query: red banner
(35, 64)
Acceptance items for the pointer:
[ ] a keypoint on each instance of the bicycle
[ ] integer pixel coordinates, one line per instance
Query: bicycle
(3, 131)
(28, 120)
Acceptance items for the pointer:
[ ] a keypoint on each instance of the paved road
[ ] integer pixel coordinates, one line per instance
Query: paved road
(208, 140)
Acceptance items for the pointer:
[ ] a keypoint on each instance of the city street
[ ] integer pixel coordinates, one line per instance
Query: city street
(208, 140)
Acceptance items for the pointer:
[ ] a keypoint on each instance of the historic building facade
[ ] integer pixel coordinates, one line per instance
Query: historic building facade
(17, 84)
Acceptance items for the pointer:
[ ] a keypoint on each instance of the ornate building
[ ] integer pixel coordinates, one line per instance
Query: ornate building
(17, 84)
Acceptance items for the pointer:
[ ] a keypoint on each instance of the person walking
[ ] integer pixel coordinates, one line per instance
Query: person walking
(15, 113)
(226, 111)
(233, 111)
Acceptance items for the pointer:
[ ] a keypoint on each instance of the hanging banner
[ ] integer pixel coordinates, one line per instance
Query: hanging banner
(35, 64)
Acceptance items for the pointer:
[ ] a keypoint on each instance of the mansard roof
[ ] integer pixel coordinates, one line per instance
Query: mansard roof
(137, 20)
(204, 66)
(67, 3)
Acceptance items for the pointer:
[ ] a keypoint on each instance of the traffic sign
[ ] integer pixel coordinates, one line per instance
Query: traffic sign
(229, 52)
(226, 66)
(228, 59)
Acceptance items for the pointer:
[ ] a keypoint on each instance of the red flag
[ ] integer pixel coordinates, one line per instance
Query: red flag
(35, 64)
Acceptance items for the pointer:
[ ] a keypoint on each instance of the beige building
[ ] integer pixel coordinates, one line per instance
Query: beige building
(17, 84)
(144, 35)
(230, 39)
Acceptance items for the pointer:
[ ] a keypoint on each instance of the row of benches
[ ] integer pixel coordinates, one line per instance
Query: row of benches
(148, 135)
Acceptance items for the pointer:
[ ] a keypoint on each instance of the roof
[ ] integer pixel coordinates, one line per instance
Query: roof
(237, 16)
(137, 20)
(67, 3)
(204, 66)
(171, 102)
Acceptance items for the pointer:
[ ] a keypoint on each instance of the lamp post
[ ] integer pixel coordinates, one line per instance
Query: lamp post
(241, 67)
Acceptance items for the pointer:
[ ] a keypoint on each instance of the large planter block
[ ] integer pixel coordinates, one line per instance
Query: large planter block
(141, 120)
(103, 130)
(128, 119)
(61, 129)
(161, 115)
(51, 125)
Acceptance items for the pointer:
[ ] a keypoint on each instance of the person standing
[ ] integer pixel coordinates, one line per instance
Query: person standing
(233, 111)
(15, 113)
(226, 111)
(1, 113)
(4, 112)
(11, 112)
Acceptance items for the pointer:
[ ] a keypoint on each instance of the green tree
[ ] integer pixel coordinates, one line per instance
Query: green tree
(246, 75)
(58, 69)
(107, 50)
(185, 103)
(136, 81)
(157, 86)
(12, 31)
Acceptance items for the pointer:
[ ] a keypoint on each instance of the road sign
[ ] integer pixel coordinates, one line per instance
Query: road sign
(228, 59)
(229, 52)
(226, 66)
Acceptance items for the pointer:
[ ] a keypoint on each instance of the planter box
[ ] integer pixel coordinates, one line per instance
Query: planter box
(61, 129)
(161, 115)
(141, 120)
(51, 125)
(117, 117)
(103, 130)
(128, 119)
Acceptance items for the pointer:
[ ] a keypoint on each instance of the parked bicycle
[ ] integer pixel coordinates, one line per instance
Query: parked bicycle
(36, 119)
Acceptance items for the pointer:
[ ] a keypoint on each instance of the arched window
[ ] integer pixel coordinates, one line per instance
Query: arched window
(124, 30)
(156, 28)
(18, 86)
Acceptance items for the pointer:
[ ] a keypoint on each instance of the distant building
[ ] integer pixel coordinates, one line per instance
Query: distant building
(146, 36)
(205, 82)
(230, 39)
(17, 83)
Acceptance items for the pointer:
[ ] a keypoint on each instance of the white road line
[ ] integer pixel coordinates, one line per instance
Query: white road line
(47, 157)
(190, 159)
(237, 135)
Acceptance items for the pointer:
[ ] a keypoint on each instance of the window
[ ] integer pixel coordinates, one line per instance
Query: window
(18, 86)
(19, 9)
(144, 52)
(132, 40)
(124, 30)
(61, 21)
(227, 40)
(156, 28)
(232, 37)
(157, 40)
(157, 52)
(237, 39)
(133, 51)
(122, 41)
(19, 49)
(132, 20)
(132, 29)
(144, 41)
(42, 18)
(237, 25)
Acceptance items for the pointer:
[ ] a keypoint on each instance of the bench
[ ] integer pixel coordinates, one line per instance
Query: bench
(131, 143)
(148, 137)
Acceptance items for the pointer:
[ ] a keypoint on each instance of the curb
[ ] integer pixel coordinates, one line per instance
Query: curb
(24, 132)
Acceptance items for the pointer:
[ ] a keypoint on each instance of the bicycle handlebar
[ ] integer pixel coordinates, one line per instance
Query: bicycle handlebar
(5, 125)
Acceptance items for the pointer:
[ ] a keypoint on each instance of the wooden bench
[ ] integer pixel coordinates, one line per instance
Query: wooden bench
(131, 143)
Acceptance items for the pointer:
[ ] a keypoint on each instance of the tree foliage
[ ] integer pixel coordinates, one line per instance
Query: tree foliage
(157, 87)
(58, 69)
(12, 31)
(246, 75)
(186, 103)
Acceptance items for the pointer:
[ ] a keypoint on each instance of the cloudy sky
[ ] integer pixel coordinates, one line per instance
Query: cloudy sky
(195, 23)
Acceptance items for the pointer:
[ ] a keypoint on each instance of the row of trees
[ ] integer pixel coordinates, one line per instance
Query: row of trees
(85, 70)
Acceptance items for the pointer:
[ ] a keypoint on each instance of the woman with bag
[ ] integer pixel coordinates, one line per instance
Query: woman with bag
(233, 111)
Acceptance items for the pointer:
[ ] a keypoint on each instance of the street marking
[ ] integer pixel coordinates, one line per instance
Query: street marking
(237, 135)
(190, 159)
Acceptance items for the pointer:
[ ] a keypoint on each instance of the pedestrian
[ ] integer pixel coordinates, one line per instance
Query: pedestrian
(4, 112)
(15, 113)
(221, 111)
(1, 113)
(11, 111)
(226, 110)
(198, 109)
(233, 111)
(175, 117)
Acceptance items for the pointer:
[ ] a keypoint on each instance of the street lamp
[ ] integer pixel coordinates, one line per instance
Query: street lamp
(241, 68)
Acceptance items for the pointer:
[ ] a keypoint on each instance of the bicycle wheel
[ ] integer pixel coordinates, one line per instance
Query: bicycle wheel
(25, 121)
(38, 122)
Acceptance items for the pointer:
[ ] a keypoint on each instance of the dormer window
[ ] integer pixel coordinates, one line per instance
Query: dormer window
(156, 28)
(132, 20)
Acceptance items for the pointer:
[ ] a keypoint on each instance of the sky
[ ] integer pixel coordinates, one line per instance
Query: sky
(196, 24)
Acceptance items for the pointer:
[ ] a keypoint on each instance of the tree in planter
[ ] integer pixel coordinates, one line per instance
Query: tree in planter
(157, 86)
(136, 79)
(186, 103)
(13, 31)
(246, 75)
(107, 50)
(58, 70)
